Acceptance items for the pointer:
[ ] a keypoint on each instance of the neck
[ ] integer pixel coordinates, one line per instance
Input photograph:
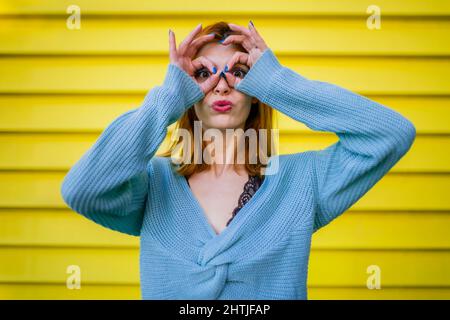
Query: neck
(222, 153)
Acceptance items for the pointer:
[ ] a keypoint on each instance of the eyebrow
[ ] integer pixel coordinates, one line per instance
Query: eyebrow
(241, 64)
(235, 65)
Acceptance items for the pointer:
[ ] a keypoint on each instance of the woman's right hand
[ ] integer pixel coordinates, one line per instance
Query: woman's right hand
(182, 57)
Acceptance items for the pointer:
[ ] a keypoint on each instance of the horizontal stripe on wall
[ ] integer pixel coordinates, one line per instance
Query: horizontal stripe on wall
(287, 36)
(330, 268)
(353, 230)
(40, 151)
(38, 189)
(388, 75)
(92, 113)
(125, 292)
(436, 8)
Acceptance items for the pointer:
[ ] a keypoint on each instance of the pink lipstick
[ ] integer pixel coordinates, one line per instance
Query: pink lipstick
(222, 105)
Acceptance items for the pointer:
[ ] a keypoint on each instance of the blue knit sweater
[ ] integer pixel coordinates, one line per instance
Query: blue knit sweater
(121, 184)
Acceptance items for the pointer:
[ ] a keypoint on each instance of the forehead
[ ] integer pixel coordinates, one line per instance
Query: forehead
(218, 53)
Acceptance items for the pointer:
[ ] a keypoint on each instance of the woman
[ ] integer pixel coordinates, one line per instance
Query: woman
(193, 244)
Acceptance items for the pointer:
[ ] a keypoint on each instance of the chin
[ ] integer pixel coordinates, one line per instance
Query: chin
(222, 126)
(222, 123)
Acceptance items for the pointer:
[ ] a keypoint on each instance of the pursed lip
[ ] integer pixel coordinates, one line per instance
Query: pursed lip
(222, 103)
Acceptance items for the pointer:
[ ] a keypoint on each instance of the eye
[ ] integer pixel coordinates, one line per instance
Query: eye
(200, 72)
(239, 72)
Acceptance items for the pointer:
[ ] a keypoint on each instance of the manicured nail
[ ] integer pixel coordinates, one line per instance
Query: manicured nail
(222, 74)
(251, 22)
(170, 31)
(221, 41)
(214, 70)
(226, 68)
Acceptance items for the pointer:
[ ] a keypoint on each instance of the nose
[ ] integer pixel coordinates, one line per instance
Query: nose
(222, 86)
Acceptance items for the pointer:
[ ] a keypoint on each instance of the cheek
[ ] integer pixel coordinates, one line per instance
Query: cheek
(245, 106)
(245, 111)
(200, 110)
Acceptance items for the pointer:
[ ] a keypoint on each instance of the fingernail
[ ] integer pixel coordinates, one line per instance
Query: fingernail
(226, 68)
(214, 70)
(170, 31)
(221, 41)
(251, 22)
(222, 74)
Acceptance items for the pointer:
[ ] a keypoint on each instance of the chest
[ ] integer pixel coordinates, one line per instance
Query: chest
(217, 197)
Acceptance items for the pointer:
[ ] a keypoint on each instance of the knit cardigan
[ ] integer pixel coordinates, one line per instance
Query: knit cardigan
(122, 185)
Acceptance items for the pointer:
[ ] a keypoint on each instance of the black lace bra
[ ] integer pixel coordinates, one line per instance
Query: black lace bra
(251, 186)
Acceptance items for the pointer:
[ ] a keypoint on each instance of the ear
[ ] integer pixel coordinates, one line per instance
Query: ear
(254, 100)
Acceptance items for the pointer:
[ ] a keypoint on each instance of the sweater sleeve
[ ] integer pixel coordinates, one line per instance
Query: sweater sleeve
(372, 137)
(109, 184)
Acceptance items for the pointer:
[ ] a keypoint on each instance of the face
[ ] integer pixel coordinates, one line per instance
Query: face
(234, 118)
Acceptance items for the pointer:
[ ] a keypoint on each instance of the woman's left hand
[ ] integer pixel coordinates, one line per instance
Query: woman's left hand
(251, 41)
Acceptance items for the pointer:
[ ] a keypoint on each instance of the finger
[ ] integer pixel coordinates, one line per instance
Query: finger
(244, 41)
(186, 42)
(231, 79)
(238, 57)
(234, 38)
(197, 43)
(201, 40)
(202, 61)
(259, 41)
(243, 30)
(172, 47)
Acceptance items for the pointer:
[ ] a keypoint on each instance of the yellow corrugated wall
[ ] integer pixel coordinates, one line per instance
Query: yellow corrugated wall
(59, 87)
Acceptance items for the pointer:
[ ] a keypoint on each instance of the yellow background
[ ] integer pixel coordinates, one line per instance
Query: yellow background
(60, 88)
